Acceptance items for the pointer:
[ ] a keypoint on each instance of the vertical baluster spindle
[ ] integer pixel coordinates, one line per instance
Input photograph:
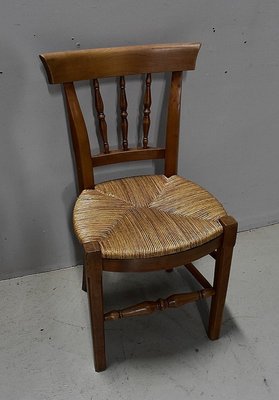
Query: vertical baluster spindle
(99, 105)
(146, 111)
(123, 113)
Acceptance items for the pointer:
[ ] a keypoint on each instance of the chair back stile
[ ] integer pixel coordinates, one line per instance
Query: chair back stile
(173, 124)
(71, 66)
(80, 139)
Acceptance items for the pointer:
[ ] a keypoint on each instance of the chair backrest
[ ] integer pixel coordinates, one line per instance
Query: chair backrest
(70, 66)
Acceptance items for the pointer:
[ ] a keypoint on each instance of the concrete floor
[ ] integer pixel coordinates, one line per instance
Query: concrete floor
(45, 345)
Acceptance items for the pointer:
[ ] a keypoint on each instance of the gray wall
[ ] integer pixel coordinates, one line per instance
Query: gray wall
(230, 119)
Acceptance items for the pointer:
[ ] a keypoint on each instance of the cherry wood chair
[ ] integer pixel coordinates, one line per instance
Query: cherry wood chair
(143, 223)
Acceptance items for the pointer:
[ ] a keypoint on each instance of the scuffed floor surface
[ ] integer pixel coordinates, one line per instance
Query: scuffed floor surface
(45, 342)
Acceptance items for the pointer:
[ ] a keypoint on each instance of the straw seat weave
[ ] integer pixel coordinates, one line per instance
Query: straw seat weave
(147, 216)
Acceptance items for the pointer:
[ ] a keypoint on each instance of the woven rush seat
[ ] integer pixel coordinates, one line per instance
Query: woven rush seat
(147, 216)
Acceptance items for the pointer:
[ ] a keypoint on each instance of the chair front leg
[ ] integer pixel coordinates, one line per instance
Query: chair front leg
(93, 266)
(221, 276)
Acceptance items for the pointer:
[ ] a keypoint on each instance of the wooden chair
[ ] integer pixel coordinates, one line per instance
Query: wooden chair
(146, 223)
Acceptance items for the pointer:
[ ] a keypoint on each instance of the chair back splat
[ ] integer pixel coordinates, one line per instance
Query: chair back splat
(140, 223)
(70, 66)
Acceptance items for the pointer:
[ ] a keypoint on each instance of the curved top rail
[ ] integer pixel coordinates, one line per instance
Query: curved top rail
(69, 66)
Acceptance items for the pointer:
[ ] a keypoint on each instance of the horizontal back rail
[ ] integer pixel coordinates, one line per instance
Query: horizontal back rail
(69, 66)
(133, 154)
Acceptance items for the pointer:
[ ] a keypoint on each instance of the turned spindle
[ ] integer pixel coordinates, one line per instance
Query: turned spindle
(146, 110)
(123, 113)
(149, 307)
(99, 105)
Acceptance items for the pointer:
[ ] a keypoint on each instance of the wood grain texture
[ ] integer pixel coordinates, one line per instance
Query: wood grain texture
(99, 105)
(133, 154)
(146, 110)
(69, 66)
(80, 139)
(173, 124)
(123, 113)
(93, 265)
(198, 276)
(121, 61)
(221, 276)
(162, 262)
(149, 307)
